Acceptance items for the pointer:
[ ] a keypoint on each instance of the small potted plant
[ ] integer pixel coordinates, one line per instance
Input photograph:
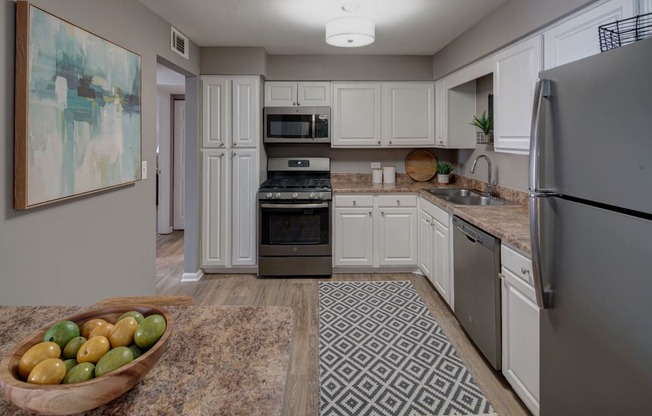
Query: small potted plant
(443, 172)
(485, 124)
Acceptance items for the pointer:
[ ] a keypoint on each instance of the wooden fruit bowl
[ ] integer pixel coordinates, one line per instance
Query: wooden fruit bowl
(65, 399)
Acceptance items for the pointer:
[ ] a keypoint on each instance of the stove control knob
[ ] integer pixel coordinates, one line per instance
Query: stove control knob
(295, 195)
(269, 195)
(319, 195)
(277, 195)
(312, 195)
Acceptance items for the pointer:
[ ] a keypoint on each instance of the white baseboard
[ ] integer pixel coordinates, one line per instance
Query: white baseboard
(192, 277)
(231, 270)
(374, 270)
(167, 230)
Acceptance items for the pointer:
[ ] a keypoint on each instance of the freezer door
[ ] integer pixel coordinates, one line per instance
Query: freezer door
(596, 340)
(596, 129)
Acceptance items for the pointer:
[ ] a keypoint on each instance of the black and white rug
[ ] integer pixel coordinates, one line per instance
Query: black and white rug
(381, 353)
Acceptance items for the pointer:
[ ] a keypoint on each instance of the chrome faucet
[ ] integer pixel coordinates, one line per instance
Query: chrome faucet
(490, 185)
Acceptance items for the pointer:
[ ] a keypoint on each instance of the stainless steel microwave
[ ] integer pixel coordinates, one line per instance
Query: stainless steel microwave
(297, 124)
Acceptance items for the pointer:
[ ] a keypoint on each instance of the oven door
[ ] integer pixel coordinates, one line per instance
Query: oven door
(295, 229)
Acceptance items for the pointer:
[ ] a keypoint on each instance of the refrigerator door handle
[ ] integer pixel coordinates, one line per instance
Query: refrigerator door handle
(543, 296)
(541, 91)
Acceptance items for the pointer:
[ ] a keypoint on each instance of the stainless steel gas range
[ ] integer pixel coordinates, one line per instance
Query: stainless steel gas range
(294, 206)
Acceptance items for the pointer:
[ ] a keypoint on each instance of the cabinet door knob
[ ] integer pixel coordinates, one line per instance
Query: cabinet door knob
(355, 203)
(378, 141)
(370, 213)
(398, 202)
(382, 213)
(390, 142)
(235, 144)
(428, 222)
(524, 270)
(294, 103)
(233, 155)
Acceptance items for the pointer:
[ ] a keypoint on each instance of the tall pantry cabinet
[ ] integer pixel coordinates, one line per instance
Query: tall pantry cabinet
(230, 154)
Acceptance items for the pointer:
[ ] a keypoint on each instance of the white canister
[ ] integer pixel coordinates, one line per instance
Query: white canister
(377, 176)
(389, 174)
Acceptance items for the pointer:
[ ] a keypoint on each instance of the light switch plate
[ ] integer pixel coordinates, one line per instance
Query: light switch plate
(143, 174)
(375, 165)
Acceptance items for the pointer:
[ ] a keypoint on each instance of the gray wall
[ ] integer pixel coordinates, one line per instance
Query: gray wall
(513, 20)
(356, 160)
(233, 61)
(103, 245)
(507, 170)
(349, 67)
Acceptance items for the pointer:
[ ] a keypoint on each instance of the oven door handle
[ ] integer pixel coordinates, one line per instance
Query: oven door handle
(298, 206)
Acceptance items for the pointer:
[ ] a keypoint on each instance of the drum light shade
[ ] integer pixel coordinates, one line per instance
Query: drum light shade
(350, 32)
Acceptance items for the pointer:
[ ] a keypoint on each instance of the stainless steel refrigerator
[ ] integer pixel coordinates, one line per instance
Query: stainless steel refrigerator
(591, 230)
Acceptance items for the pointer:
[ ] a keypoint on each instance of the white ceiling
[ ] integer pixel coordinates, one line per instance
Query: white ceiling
(403, 27)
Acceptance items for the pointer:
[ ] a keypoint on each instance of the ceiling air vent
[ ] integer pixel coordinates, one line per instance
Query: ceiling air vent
(179, 43)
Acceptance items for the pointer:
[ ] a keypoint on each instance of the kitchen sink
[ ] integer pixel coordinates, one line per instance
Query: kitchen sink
(467, 197)
(453, 192)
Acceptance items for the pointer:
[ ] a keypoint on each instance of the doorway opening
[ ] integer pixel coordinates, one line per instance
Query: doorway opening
(170, 174)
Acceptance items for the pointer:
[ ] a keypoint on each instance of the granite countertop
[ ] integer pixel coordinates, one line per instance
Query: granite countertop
(219, 361)
(510, 223)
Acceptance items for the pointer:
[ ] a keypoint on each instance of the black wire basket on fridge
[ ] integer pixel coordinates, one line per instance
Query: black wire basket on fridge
(621, 32)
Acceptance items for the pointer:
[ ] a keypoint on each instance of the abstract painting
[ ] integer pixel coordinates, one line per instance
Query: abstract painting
(78, 113)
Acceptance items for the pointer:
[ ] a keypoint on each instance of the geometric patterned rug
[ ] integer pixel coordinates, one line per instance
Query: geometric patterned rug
(381, 353)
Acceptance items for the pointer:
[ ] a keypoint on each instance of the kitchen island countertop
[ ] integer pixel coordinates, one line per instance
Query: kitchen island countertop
(510, 223)
(219, 361)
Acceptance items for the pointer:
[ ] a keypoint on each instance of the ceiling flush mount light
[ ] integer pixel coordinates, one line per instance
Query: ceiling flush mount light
(350, 31)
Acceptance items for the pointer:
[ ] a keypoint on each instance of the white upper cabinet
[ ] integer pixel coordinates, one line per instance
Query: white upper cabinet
(408, 114)
(288, 94)
(246, 112)
(216, 94)
(644, 6)
(231, 111)
(577, 37)
(356, 114)
(516, 69)
(390, 114)
(441, 113)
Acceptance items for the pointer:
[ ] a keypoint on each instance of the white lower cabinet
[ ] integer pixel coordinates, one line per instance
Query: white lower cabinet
(375, 231)
(244, 164)
(520, 327)
(354, 230)
(434, 248)
(214, 208)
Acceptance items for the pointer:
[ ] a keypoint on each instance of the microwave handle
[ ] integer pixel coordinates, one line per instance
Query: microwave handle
(314, 127)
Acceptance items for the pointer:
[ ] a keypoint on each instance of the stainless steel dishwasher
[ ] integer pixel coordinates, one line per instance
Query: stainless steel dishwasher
(477, 287)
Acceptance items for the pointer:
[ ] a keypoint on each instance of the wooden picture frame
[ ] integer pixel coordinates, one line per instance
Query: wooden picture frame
(78, 127)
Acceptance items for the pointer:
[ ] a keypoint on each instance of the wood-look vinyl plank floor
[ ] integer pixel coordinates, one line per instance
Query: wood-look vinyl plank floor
(302, 388)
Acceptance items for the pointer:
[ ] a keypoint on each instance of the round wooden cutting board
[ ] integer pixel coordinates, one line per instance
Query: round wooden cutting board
(421, 165)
